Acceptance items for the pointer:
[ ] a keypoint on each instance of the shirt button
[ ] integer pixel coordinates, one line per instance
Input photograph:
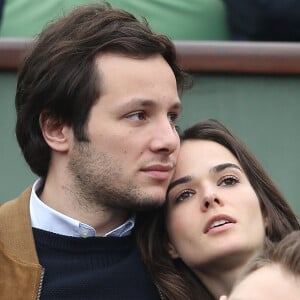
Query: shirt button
(84, 233)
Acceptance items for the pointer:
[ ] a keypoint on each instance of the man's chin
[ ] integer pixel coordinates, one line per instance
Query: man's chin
(149, 200)
(149, 204)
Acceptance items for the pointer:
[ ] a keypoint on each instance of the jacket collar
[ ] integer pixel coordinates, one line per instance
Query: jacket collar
(16, 231)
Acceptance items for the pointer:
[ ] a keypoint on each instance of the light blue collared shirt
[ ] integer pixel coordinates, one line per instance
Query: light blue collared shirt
(46, 218)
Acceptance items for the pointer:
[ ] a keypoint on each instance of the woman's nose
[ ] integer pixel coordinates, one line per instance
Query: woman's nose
(210, 200)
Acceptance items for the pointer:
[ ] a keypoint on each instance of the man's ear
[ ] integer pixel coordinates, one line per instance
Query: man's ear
(172, 251)
(55, 133)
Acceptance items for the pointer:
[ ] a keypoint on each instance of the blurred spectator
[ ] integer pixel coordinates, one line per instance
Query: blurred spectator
(1, 9)
(180, 20)
(264, 20)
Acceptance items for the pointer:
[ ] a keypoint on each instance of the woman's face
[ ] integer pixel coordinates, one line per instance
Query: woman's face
(213, 213)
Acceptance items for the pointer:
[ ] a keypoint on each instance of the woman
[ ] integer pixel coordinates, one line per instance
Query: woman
(221, 208)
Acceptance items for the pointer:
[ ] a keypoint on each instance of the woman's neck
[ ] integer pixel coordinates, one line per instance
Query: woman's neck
(220, 284)
(220, 276)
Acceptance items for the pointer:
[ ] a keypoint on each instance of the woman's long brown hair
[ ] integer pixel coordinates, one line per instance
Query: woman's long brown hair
(174, 279)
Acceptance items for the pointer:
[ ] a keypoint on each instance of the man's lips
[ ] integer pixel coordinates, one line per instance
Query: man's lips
(218, 221)
(159, 171)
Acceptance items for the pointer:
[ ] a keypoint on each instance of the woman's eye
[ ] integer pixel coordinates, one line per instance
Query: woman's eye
(228, 180)
(137, 116)
(184, 195)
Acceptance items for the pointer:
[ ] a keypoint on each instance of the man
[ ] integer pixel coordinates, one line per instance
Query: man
(97, 101)
(272, 274)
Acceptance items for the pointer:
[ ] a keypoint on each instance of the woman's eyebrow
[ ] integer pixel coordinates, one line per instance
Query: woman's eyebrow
(221, 167)
(178, 181)
(215, 169)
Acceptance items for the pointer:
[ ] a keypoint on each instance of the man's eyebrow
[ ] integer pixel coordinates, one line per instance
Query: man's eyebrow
(137, 101)
(224, 166)
(177, 105)
(148, 103)
(178, 181)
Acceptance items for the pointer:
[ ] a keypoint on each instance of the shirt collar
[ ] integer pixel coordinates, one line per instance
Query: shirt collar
(46, 218)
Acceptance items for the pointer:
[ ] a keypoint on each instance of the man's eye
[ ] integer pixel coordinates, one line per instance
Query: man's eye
(173, 117)
(228, 180)
(137, 116)
(184, 195)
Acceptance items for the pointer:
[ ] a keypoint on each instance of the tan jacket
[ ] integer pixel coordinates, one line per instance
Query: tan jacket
(20, 271)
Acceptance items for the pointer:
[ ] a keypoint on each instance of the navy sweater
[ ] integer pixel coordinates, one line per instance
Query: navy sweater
(105, 268)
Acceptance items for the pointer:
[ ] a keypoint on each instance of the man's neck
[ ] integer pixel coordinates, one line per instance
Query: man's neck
(63, 199)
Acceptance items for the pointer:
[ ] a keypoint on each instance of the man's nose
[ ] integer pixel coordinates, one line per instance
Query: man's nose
(165, 138)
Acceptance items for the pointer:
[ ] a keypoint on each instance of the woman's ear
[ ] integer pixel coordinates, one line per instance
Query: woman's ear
(266, 223)
(172, 251)
(55, 133)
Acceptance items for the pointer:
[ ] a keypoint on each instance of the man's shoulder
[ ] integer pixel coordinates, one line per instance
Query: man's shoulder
(17, 204)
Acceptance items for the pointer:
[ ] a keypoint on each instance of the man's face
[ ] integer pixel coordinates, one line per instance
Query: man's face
(133, 146)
